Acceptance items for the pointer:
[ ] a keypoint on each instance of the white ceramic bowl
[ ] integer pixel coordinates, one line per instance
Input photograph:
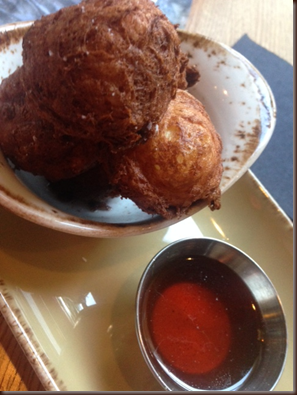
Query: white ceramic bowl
(237, 98)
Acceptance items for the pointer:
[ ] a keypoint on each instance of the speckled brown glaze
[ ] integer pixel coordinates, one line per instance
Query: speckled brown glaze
(251, 97)
(11, 36)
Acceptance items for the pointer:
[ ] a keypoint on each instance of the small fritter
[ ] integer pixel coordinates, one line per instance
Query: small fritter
(34, 143)
(177, 166)
(107, 69)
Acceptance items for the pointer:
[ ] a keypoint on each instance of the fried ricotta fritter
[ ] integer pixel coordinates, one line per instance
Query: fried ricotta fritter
(177, 166)
(107, 69)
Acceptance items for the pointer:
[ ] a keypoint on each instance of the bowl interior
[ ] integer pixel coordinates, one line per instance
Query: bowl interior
(235, 95)
(268, 365)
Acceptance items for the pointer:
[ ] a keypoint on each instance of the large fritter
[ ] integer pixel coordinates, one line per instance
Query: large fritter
(177, 166)
(106, 69)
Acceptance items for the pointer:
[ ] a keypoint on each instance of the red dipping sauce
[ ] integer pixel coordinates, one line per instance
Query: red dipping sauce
(204, 322)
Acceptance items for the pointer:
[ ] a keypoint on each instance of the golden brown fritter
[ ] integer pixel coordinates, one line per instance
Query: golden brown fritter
(106, 68)
(34, 143)
(177, 166)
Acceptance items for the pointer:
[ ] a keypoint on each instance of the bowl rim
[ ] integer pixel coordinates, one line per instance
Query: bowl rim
(56, 219)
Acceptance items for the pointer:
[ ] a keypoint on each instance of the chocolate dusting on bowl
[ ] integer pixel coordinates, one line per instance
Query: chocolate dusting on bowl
(9, 37)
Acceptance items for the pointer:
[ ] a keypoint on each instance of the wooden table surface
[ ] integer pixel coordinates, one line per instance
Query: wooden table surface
(268, 23)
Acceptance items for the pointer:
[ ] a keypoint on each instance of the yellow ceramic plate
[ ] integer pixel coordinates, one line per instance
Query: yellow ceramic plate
(70, 300)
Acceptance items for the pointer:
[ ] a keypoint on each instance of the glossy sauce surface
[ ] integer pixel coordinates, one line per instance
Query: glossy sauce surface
(204, 323)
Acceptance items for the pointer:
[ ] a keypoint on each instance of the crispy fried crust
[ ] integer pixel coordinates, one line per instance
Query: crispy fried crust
(106, 68)
(179, 165)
